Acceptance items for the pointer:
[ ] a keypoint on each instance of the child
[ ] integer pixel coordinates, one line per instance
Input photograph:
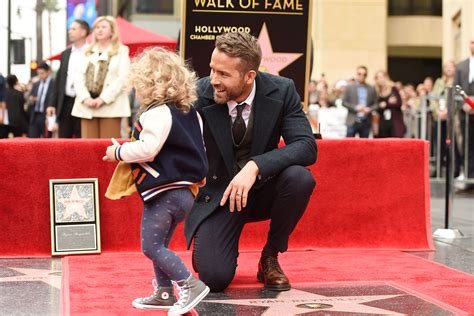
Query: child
(168, 162)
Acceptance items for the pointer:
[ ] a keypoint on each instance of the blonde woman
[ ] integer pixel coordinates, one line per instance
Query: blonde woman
(389, 107)
(438, 107)
(439, 111)
(168, 162)
(101, 100)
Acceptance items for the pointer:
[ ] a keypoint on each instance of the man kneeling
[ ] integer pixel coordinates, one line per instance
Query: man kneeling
(245, 112)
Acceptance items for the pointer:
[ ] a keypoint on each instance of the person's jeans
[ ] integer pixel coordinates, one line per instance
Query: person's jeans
(362, 128)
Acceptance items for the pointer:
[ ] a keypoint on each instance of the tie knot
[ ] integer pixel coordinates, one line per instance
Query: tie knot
(240, 108)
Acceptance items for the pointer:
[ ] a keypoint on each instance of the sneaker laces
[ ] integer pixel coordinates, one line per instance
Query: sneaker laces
(183, 295)
(155, 286)
(155, 291)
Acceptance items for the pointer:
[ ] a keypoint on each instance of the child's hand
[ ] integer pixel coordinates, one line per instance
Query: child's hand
(110, 152)
(202, 183)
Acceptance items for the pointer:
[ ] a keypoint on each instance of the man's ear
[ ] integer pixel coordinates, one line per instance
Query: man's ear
(250, 76)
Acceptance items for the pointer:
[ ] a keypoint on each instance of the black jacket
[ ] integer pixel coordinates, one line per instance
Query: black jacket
(15, 102)
(49, 98)
(60, 81)
(277, 113)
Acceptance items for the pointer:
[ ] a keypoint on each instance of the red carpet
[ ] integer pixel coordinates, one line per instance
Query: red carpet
(370, 194)
(107, 283)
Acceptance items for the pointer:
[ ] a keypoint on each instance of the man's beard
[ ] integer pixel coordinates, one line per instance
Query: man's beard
(220, 99)
(226, 96)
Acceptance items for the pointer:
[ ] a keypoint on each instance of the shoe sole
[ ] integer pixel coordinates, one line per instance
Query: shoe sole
(279, 288)
(196, 301)
(143, 306)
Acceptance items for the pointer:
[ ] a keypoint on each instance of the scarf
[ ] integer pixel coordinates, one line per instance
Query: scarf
(95, 84)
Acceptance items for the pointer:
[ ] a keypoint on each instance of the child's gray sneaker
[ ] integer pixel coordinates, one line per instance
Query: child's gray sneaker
(191, 292)
(162, 298)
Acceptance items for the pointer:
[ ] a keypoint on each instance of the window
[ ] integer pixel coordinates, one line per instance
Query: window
(154, 6)
(415, 7)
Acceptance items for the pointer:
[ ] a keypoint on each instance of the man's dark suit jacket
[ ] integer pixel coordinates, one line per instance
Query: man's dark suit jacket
(277, 112)
(16, 109)
(49, 100)
(61, 77)
(461, 76)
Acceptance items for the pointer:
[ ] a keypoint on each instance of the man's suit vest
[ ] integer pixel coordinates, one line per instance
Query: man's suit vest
(242, 150)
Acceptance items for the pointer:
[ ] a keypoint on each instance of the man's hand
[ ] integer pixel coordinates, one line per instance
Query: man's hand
(467, 108)
(50, 111)
(110, 152)
(238, 189)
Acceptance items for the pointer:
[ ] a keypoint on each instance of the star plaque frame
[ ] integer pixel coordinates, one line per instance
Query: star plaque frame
(75, 225)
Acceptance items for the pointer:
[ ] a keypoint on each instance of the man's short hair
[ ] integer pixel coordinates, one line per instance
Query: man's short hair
(242, 45)
(84, 25)
(12, 80)
(43, 65)
(363, 67)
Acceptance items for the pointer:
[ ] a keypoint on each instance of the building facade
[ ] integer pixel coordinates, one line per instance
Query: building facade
(409, 38)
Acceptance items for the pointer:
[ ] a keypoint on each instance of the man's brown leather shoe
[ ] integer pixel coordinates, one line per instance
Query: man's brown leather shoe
(271, 274)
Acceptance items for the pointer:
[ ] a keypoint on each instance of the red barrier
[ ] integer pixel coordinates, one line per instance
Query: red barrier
(370, 194)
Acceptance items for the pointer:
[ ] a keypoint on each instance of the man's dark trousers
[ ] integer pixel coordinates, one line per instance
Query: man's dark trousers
(37, 128)
(282, 199)
(69, 125)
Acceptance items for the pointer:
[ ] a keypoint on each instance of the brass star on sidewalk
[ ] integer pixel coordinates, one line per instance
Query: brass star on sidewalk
(50, 277)
(273, 62)
(296, 302)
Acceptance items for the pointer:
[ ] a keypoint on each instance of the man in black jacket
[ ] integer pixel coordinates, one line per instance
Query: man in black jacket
(245, 112)
(69, 126)
(464, 77)
(42, 97)
(15, 102)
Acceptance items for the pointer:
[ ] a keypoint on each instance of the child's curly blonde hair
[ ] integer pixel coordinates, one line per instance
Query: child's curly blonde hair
(160, 77)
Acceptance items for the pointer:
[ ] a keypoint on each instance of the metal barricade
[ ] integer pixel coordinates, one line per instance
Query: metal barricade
(421, 124)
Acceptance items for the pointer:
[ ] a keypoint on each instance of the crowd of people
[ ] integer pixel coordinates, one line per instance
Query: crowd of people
(87, 98)
(354, 108)
(385, 109)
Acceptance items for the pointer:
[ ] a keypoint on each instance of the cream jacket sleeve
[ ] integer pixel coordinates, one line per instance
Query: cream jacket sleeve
(117, 75)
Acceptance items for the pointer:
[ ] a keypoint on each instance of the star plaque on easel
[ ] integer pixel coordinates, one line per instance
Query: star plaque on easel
(74, 216)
